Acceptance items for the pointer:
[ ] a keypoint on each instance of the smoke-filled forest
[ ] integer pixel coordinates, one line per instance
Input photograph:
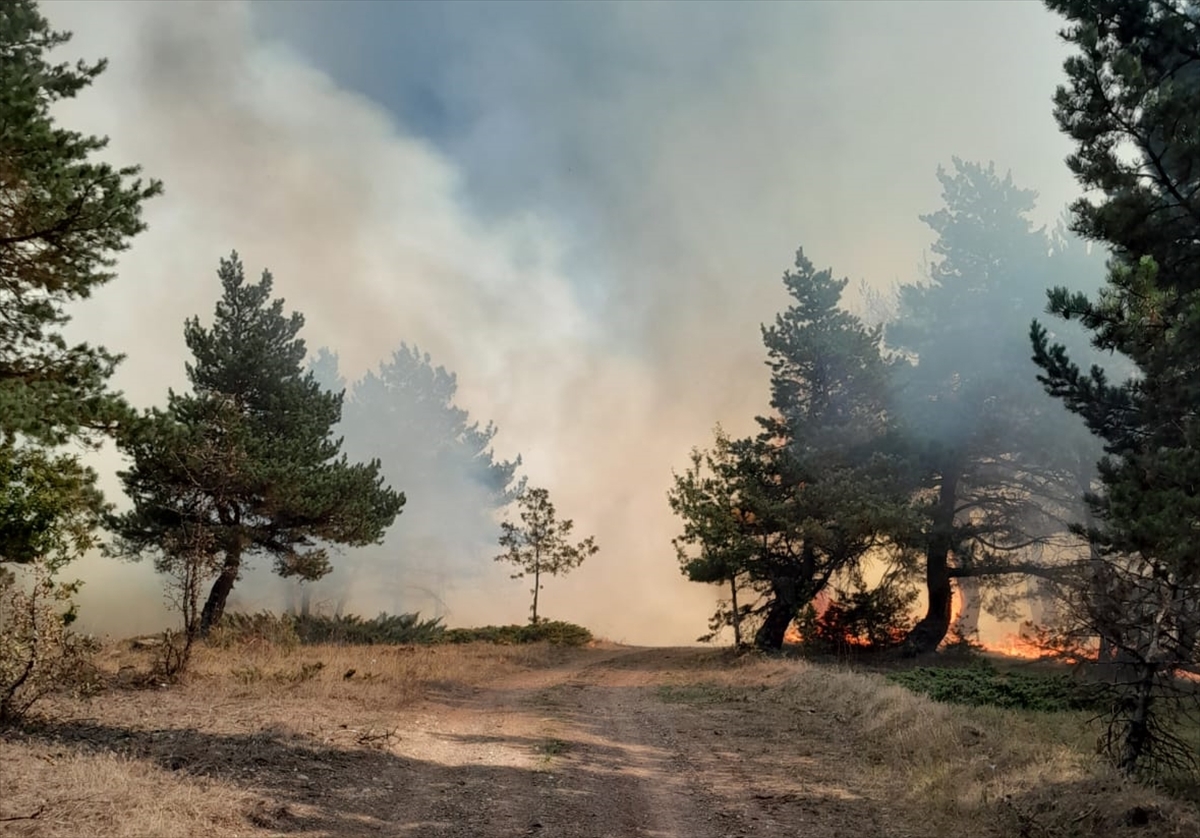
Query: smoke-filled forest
(446, 419)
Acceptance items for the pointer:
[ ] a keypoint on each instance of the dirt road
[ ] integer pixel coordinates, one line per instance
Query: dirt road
(628, 743)
(482, 741)
(576, 743)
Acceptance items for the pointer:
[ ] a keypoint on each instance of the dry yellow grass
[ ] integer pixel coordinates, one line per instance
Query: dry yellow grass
(67, 793)
(1002, 772)
(102, 765)
(262, 740)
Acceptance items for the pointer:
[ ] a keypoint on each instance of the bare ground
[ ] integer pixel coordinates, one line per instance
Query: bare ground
(671, 743)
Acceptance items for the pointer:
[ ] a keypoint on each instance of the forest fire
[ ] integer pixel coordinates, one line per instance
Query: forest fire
(832, 623)
(1030, 641)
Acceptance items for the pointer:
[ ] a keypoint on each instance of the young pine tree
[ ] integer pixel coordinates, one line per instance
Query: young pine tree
(540, 544)
(989, 449)
(246, 463)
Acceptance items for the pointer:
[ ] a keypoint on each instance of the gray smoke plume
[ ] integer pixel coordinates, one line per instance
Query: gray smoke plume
(582, 210)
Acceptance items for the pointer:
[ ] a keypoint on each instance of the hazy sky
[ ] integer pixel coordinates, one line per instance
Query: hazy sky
(582, 209)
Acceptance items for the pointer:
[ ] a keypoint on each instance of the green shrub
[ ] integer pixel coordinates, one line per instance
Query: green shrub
(263, 628)
(286, 630)
(982, 684)
(555, 632)
(865, 618)
(352, 629)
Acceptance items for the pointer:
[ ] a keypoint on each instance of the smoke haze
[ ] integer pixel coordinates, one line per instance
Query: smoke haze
(582, 210)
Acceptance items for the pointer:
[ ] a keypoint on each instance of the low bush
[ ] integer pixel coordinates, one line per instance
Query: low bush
(39, 653)
(862, 619)
(981, 684)
(354, 630)
(555, 632)
(263, 628)
(286, 630)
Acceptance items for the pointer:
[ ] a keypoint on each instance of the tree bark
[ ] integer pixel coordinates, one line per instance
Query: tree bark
(780, 614)
(214, 606)
(537, 583)
(928, 634)
(737, 618)
(970, 593)
(1137, 734)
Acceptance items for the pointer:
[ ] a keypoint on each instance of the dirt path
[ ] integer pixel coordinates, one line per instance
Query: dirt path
(595, 743)
(620, 744)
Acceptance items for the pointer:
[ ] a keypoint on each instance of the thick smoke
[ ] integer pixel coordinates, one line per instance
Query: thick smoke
(588, 235)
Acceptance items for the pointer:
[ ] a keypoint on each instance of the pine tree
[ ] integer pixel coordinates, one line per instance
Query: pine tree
(405, 414)
(788, 512)
(63, 217)
(540, 544)
(990, 450)
(1131, 105)
(718, 543)
(246, 463)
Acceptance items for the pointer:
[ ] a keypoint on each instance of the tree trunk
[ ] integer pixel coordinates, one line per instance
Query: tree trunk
(970, 603)
(780, 614)
(1137, 735)
(214, 606)
(537, 575)
(928, 634)
(737, 618)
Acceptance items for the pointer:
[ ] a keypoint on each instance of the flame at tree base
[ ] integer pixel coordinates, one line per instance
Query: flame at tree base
(1029, 642)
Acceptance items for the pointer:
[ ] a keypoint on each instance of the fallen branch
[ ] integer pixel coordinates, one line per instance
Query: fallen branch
(37, 814)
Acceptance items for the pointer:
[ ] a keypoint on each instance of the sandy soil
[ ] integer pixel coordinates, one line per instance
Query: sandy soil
(601, 742)
(613, 747)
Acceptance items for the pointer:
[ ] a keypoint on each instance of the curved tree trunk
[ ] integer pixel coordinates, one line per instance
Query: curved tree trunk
(214, 606)
(783, 609)
(928, 634)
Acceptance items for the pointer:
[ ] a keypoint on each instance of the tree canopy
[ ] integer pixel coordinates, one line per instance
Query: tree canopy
(992, 456)
(63, 218)
(405, 413)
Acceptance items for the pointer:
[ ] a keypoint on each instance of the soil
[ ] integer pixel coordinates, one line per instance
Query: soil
(602, 742)
(608, 746)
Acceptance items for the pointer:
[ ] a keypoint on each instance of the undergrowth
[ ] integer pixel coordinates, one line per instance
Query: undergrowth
(556, 632)
(288, 631)
(982, 684)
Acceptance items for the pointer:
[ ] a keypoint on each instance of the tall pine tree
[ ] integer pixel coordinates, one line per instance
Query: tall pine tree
(1131, 104)
(988, 446)
(405, 414)
(246, 463)
(803, 503)
(63, 217)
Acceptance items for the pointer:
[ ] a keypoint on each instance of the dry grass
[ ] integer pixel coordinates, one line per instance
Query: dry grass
(1003, 772)
(68, 793)
(262, 740)
(248, 726)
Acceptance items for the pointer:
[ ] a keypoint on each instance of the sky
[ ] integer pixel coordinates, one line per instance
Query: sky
(582, 209)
